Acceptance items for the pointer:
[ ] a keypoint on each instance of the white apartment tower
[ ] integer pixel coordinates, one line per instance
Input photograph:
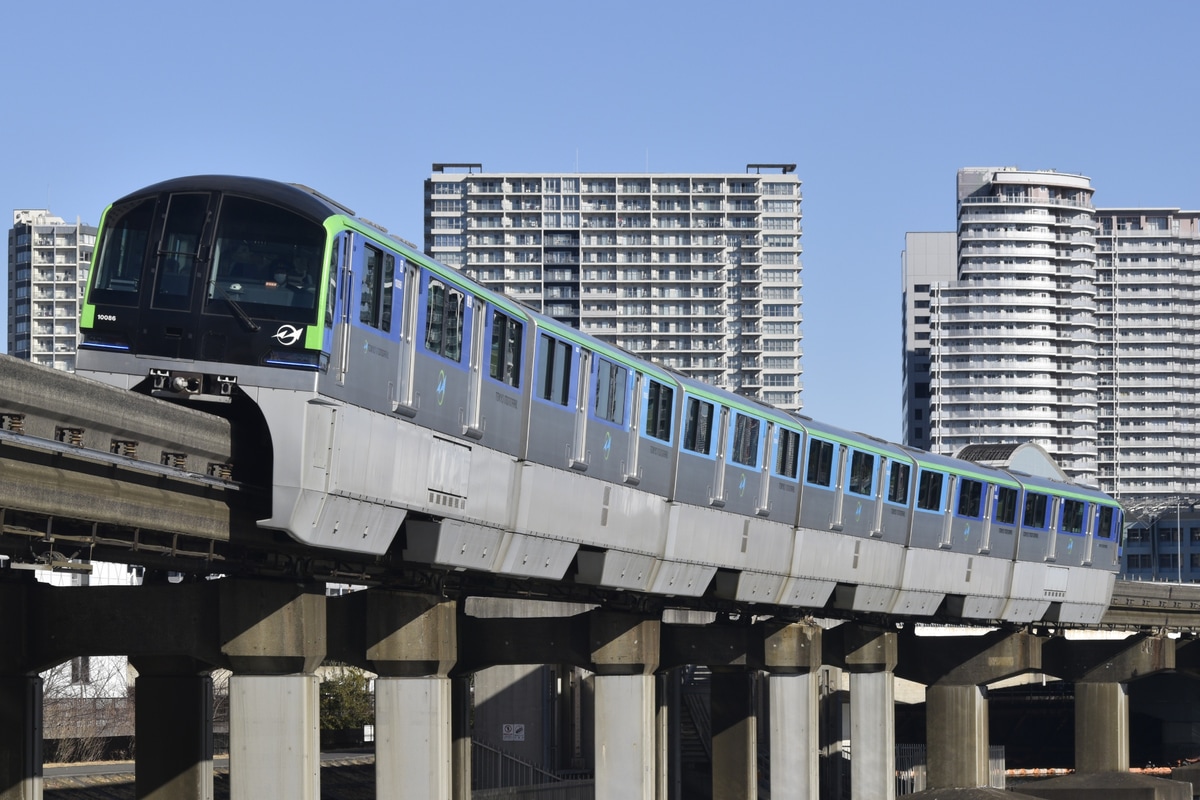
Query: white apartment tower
(699, 272)
(1012, 336)
(48, 261)
(1055, 322)
(1148, 311)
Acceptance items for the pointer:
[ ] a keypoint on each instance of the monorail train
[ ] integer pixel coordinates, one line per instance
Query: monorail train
(410, 408)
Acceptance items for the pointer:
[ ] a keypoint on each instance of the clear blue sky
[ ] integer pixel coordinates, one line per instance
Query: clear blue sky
(878, 104)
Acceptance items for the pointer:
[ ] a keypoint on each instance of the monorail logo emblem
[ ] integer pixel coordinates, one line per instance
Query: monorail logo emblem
(288, 334)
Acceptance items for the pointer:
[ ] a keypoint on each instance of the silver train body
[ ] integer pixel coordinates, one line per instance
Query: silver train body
(478, 435)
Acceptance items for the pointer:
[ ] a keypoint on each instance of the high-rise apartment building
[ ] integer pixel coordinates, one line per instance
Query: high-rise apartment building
(1045, 319)
(700, 272)
(48, 260)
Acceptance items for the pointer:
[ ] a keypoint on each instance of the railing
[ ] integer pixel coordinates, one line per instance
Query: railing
(911, 768)
(564, 790)
(494, 769)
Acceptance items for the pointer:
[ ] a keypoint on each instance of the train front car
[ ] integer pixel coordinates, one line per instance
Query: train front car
(220, 292)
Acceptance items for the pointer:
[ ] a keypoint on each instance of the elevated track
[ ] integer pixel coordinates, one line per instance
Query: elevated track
(90, 471)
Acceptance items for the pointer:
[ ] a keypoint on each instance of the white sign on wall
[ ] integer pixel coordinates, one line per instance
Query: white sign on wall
(512, 732)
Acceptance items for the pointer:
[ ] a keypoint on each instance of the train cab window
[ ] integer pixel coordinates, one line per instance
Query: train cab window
(745, 440)
(375, 300)
(660, 402)
(929, 490)
(697, 428)
(122, 252)
(862, 473)
(444, 320)
(177, 250)
(820, 463)
(787, 455)
(554, 370)
(898, 478)
(1072, 516)
(507, 335)
(1035, 510)
(612, 383)
(1006, 505)
(970, 498)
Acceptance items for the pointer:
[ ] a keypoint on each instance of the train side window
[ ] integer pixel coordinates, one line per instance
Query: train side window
(554, 370)
(929, 490)
(612, 382)
(122, 250)
(898, 483)
(970, 498)
(1035, 510)
(1072, 516)
(862, 473)
(660, 401)
(444, 321)
(1104, 529)
(820, 463)
(1006, 505)
(787, 456)
(507, 335)
(745, 440)
(697, 430)
(375, 304)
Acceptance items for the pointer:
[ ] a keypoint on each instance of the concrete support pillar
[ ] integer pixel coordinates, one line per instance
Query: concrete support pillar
(625, 654)
(794, 736)
(273, 638)
(869, 654)
(274, 737)
(20, 737)
(664, 740)
(872, 736)
(413, 738)
(956, 734)
(1101, 727)
(625, 763)
(734, 736)
(173, 719)
(1101, 670)
(460, 736)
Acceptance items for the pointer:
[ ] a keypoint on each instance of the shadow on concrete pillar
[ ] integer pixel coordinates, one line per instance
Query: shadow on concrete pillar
(20, 737)
(734, 735)
(173, 719)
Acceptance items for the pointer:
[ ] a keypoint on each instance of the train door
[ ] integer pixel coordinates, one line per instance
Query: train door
(579, 458)
(340, 263)
(763, 507)
(632, 469)
(473, 423)
(718, 490)
(407, 277)
(171, 322)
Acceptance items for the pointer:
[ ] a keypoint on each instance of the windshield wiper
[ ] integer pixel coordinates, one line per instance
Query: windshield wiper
(237, 310)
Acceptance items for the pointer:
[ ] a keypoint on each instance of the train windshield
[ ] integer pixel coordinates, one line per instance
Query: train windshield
(266, 262)
(118, 268)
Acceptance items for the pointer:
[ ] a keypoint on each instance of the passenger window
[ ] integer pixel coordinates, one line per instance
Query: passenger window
(929, 490)
(898, 483)
(554, 370)
(745, 440)
(507, 335)
(862, 473)
(612, 381)
(820, 463)
(1104, 527)
(1035, 510)
(787, 457)
(697, 431)
(1072, 516)
(375, 304)
(970, 498)
(1006, 505)
(444, 321)
(660, 403)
